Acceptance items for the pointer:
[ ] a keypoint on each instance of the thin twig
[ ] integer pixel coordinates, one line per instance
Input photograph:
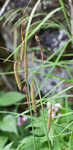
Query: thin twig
(4, 7)
(7, 60)
(6, 81)
(6, 49)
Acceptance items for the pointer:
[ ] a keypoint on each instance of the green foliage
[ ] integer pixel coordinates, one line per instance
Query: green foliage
(3, 141)
(9, 98)
(8, 124)
(60, 132)
(33, 134)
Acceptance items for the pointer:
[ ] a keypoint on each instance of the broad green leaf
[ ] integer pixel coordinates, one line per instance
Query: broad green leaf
(26, 144)
(9, 98)
(8, 147)
(46, 148)
(3, 140)
(8, 124)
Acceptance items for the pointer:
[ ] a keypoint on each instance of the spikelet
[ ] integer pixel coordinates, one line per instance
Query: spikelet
(50, 117)
(17, 75)
(71, 16)
(22, 47)
(38, 41)
(26, 74)
(20, 54)
(17, 62)
(33, 97)
(26, 67)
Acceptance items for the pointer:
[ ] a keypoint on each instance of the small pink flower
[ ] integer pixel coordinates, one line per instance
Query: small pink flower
(48, 104)
(24, 118)
(21, 120)
(57, 107)
(58, 114)
(53, 114)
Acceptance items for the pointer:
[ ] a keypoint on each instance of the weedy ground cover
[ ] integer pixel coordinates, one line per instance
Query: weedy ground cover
(30, 120)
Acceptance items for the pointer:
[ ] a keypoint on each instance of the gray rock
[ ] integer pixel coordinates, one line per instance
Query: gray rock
(39, 72)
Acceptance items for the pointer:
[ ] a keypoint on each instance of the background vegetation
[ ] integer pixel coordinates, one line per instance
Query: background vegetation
(30, 120)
